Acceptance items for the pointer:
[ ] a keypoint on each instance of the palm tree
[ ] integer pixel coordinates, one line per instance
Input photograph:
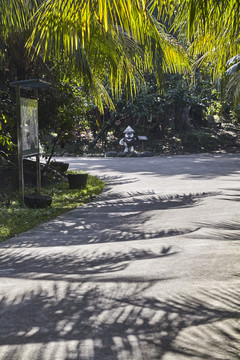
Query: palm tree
(113, 41)
(233, 78)
(211, 28)
(108, 42)
(16, 28)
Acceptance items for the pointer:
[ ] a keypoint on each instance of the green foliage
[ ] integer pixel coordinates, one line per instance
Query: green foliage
(211, 31)
(75, 172)
(210, 27)
(233, 80)
(199, 141)
(154, 111)
(15, 220)
(63, 108)
(7, 126)
(117, 40)
(89, 49)
(5, 137)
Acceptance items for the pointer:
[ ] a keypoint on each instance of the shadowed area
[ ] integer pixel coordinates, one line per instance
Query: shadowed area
(148, 271)
(88, 265)
(200, 166)
(118, 180)
(227, 230)
(114, 219)
(224, 231)
(83, 322)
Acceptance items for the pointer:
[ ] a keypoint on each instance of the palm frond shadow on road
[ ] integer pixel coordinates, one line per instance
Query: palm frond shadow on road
(96, 324)
(221, 231)
(89, 265)
(112, 219)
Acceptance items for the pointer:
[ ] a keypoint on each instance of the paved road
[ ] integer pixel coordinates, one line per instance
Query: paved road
(149, 270)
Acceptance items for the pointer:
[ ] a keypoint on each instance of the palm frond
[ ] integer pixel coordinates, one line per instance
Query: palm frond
(211, 27)
(119, 38)
(233, 87)
(233, 69)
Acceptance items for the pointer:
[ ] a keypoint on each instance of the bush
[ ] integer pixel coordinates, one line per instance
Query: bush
(199, 141)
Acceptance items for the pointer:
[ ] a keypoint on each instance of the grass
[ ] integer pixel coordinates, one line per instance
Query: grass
(15, 219)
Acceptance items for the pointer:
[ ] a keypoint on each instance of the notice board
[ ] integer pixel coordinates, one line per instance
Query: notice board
(29, 126)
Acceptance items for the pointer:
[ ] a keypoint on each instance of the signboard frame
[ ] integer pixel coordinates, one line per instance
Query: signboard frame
(27, 123)
(29, 126)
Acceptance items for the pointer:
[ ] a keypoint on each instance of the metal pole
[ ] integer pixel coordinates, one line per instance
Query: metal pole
(38, 170)
(20, 152)
(38, 166)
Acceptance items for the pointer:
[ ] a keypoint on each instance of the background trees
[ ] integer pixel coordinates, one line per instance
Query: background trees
(116, 55)
(115, 41)
(102, 42)
(210, 27)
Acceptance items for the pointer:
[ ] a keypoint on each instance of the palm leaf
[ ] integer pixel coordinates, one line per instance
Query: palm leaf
(233, 69)
(233, 87)
(211, 27)
(119, 38)
(233, 60)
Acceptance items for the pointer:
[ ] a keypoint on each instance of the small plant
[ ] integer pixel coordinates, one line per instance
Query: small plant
(76, 172)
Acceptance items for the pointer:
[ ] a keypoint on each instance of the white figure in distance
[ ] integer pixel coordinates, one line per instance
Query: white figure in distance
(128, 140)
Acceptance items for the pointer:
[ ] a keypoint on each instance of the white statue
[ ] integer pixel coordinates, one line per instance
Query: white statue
(128, 140)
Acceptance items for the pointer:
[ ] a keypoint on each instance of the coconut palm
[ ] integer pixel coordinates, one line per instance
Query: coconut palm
(113, 41)
(106, 41)
(16, 28)
(233, 78)
(211, 27)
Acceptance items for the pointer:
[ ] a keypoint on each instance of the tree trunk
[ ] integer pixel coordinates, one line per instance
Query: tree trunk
(182, 118)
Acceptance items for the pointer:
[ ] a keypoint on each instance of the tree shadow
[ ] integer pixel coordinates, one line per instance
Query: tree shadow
(228, 230)
(194, 166)
(221, 231)
(86, 322)
(89, 265)
(117, 180)
(233, 196)
(111, 219)
(149, 200)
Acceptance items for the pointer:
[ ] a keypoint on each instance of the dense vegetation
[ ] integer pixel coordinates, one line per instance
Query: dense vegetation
(169, 69)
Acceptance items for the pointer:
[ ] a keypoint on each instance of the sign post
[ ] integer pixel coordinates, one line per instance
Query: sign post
(20, 152)
(27, 129)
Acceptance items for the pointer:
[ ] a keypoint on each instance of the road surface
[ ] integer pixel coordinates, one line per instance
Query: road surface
(149, 270)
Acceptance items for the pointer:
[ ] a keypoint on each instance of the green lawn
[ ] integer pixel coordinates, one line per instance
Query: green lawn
(14, 219)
